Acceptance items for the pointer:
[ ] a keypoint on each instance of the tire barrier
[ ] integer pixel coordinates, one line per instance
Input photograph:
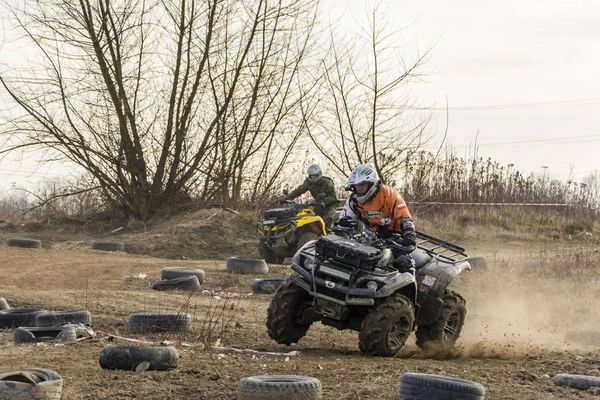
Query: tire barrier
(241, 265)
(188, 283)
(277, 387)
(57, 318)
(415, 386)
(30, 383)
(108, 246)
(179, 272)
(167, 322)
(139, 358)
(25, 243)
(66, 333)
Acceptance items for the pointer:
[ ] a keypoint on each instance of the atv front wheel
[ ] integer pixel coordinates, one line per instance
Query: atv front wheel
(386, 327)
(284, 315)
(445, 331)
(268, 254)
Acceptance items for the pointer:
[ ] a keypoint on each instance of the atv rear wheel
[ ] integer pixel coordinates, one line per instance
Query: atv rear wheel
(386, 327)
(305, 238)
(445, 331)
(268, 254)
(284, 315)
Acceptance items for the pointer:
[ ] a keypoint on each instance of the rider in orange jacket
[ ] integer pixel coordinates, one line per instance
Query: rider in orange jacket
(378, 205)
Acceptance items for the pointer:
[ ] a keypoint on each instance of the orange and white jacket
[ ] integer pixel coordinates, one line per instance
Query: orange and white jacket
(385, 213)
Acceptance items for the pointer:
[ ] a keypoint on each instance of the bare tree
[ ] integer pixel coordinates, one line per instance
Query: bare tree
(366, 114)
(159, 99)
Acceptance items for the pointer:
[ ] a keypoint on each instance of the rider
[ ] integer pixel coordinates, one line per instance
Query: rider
(377, 205)
(322, 189)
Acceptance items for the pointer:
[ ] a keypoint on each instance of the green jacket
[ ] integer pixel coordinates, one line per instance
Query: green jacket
(323, 185)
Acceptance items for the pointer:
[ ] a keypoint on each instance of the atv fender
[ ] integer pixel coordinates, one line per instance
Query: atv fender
(434, 278)
(277, 231)
(315, 223)
(399, 283)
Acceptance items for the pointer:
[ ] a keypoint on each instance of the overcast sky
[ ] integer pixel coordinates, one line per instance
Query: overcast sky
(524, 74)
(521, 77)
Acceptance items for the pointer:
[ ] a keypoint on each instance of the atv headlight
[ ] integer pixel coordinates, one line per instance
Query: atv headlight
(308, 264)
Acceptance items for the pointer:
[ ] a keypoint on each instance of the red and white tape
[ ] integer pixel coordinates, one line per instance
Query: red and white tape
(110, 335)
(268, 353)
(490, 204)
(180, 343)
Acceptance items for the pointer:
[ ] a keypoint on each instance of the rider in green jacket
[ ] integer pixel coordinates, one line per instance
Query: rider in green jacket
(322, 189)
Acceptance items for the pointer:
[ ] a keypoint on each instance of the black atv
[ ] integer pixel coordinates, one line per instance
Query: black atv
(347, 281)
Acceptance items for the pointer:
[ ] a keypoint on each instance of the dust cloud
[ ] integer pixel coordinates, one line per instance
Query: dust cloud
(531, 299)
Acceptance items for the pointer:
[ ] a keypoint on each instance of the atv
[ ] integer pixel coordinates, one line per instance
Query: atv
(284, 230)
(349, 280)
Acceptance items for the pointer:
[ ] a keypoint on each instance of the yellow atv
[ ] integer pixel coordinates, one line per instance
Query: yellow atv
(285, 230)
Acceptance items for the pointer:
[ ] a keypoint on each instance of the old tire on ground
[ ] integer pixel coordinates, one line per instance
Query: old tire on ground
(305, 238)
(243, 265)
(30, 383)
(56, 318)
(66, 333)
(188, 283)
(108, 246)
(130, 358)
(582, 382)
(284, 315)
(415, 386)
(277, 387)
(16, 317)
(445, 331)
(3, 304)
(267, 286)
(159, 322)
(26, 243)
(268, 254)
(386, 327)
(179, 272)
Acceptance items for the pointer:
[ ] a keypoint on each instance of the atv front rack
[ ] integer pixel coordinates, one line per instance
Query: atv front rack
(440, 249)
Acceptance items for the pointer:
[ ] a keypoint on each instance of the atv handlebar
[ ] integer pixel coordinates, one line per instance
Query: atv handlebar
(394, 246)
(314, 204)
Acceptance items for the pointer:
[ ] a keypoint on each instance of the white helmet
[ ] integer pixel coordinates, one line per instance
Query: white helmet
(314, 173)
(362, 174)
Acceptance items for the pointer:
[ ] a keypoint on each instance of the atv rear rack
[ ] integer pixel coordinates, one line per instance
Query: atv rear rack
(441, 249)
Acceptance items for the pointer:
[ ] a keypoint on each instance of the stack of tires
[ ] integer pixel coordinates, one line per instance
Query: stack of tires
(64, 326)
(180, 278)
(241, 265)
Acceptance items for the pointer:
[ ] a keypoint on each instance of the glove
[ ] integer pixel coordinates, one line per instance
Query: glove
(385, 221)
(409, 240)
(404, 263)
(344, 222)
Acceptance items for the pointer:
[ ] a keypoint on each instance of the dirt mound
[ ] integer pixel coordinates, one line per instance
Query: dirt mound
(210, 233)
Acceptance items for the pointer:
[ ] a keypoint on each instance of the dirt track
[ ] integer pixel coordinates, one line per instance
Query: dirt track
(513, 341)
